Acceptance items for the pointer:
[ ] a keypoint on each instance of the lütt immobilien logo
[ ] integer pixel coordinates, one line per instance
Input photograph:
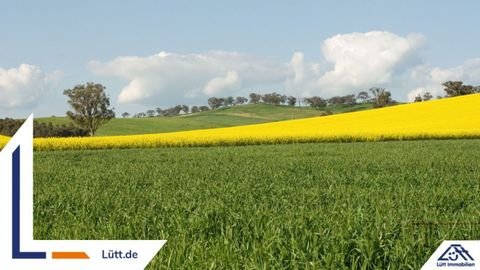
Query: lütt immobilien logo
(21, 251)
(456, 255)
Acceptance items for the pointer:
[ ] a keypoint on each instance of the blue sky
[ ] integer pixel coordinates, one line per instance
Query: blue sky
(229, 48)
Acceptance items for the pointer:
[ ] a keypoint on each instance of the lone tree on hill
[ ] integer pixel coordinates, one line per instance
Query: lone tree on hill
(90, 106)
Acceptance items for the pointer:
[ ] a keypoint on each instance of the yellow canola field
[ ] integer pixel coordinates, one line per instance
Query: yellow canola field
(3, 140)
(457, 117)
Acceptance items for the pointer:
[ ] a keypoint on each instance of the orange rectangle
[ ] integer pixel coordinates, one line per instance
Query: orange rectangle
(69, 255)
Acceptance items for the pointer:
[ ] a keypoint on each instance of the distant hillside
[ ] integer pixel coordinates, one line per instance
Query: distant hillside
(448, 118)
(224, 117)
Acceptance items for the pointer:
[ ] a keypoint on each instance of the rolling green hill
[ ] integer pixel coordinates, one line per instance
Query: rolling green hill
(224, 117)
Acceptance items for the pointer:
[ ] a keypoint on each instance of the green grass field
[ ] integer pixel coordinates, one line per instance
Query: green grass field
(301, 206)
(225, 117)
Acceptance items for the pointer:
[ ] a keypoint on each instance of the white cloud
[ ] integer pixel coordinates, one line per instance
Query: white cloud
(303, 76)
(219, 84)
(351, 62)
(170, 76)
(366, 59)
(297, 64)
(23, 86)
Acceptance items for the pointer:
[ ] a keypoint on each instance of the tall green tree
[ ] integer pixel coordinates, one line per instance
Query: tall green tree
(91, 106)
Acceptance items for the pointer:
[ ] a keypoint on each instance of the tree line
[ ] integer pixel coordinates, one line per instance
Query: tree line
(168, 112)
(9, 127)
(380, 97)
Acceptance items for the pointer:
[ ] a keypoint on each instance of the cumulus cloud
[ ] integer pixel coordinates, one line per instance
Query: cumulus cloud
(303, 76)
(358, 60)
(23, 86)
(353, 62)
(175, 76)
(349, 63)
(219, 84)
(366, 59)
(298, 67)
